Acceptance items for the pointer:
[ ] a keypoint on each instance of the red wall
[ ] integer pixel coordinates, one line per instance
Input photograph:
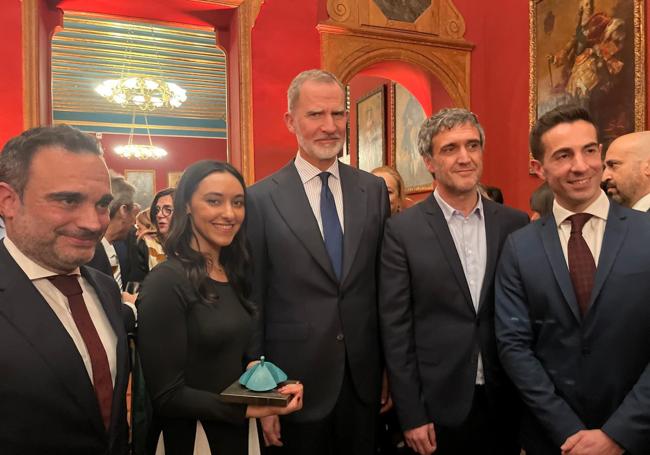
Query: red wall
(11, 86)
(181, 152)
(285, 42)
(499, 92)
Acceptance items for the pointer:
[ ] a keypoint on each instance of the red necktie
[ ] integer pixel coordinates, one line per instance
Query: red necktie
(582, 267)
(69, 286)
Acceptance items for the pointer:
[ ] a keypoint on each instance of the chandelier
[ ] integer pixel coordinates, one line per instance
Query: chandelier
(140, 151)
(145, 93)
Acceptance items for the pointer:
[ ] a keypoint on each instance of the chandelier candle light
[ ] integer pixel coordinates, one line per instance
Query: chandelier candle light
(140, 151)
(146, 93)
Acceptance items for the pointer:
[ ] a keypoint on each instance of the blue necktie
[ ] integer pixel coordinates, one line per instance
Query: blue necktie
(332, 233)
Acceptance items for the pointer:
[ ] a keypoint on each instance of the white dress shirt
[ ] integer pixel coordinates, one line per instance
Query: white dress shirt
(2, 228)
(113, 260)
(593, 230)
(642, 204)
(313, 185)
(59, 305)
(470, 240)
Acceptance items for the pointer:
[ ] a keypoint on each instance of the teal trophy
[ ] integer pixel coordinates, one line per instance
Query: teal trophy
(262, 377)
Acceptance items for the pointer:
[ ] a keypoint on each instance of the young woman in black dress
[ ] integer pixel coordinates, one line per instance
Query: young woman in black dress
(195, 322)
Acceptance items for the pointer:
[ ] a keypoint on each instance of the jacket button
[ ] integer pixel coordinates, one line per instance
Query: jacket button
(339, 337)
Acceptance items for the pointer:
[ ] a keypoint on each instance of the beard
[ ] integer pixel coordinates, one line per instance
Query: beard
(48, 247)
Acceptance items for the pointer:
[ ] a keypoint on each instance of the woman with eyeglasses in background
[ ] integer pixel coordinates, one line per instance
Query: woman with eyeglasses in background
(149, 251)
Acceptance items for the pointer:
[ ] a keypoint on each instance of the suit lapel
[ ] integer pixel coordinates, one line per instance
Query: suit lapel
(436, 220)
(553, 249)
(492, 239)
(26, 309)
(354, 214)
(293, 206)
(615, 232)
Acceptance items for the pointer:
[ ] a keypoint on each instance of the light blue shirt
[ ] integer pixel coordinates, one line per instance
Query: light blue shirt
(471, 245)
(2, 228)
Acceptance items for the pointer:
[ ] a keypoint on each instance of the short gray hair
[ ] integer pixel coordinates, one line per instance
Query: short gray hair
(18, 153)
(123, 193)
(293, 92)
(445, 119)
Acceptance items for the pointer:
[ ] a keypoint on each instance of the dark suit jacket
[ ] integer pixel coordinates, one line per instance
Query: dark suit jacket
(311, 322)
(100, 261)
(576, 373)
(432, 334)
(47, 401)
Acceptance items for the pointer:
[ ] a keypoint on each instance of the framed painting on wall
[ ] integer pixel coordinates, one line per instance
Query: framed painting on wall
(173, 178)
(408, 116)
(590, 53)
(144, 182)
(371, 130)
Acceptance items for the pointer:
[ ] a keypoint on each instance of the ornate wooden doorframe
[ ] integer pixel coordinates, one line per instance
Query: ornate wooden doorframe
(359, 34)
(247, 11)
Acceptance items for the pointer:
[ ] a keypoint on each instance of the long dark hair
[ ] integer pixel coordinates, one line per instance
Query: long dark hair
(235, 257)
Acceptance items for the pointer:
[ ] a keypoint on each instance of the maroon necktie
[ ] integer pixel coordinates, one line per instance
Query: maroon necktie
(69, 286)
(581, 262)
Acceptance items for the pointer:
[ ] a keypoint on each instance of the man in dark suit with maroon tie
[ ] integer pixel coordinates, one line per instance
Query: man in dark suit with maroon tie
(63, 349)
(572, 313)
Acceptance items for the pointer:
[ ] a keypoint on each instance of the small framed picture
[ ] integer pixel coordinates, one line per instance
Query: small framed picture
(144, 182)
(173, 178)
(371, 130)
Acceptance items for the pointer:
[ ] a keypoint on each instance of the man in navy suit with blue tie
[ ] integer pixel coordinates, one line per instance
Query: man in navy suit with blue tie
(572, 312)
(315, 227)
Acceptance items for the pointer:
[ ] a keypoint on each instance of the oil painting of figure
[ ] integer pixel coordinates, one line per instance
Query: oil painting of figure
(585, 55)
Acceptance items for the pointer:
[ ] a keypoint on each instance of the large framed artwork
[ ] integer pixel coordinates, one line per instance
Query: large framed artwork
(371, 130)
(408, 116)
(144, 182)
(590, 53)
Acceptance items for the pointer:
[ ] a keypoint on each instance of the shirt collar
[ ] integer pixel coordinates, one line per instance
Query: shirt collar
(643, 204)
(308, 171)
(599, 208)
(33, 270)
(448, 211)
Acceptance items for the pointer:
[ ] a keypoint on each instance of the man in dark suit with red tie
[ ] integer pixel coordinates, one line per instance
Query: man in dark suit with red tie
(572, 312)
(63, 349)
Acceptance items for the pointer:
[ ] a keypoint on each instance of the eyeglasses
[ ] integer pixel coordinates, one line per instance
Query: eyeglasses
(166, 210)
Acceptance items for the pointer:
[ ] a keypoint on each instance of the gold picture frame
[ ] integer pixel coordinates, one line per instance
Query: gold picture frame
(371, 130)
(592, 53)
(144, 181)
(407, 116)
(173, 178)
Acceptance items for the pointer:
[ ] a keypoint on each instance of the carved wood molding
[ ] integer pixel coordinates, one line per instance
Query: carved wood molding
(356, 37)
(440, 18)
